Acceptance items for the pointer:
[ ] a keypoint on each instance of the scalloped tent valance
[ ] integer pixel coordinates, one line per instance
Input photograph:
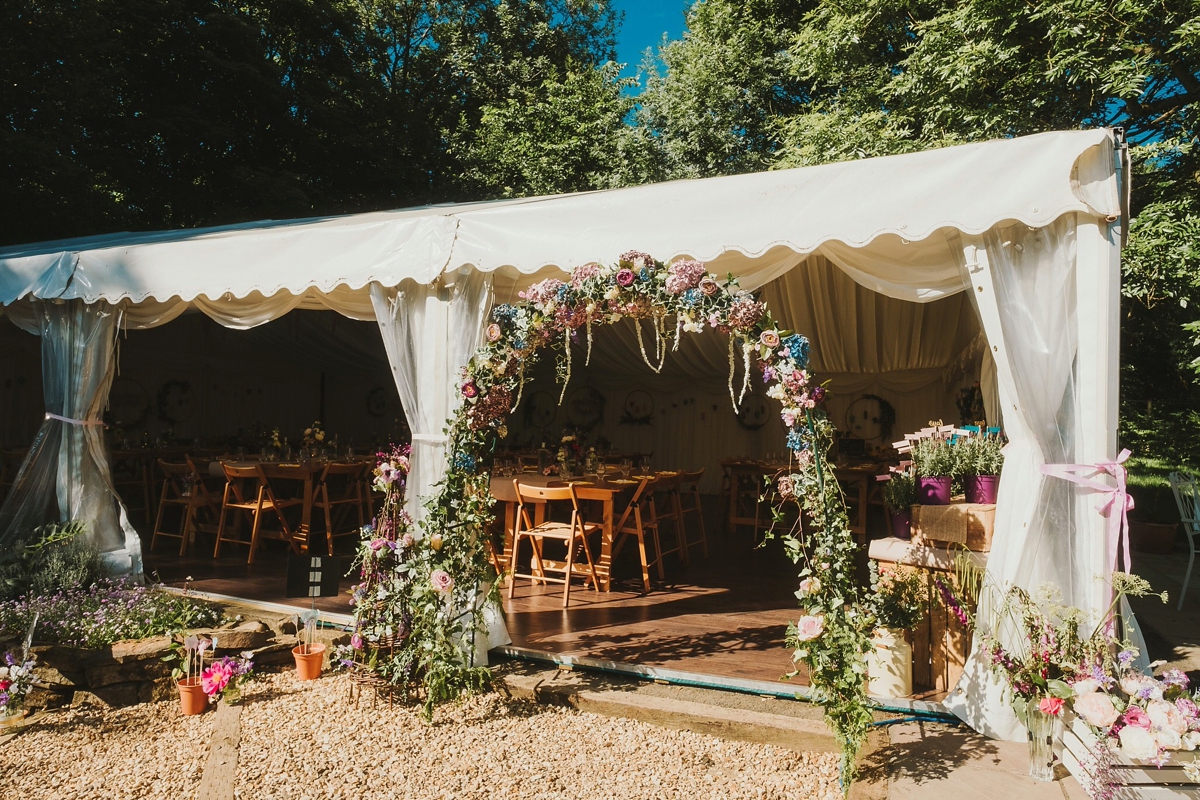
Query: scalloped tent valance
(869, 217)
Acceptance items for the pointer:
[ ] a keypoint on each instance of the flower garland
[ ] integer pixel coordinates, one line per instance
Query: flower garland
(832, 637)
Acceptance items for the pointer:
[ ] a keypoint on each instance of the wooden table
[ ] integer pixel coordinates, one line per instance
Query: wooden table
(588, 488)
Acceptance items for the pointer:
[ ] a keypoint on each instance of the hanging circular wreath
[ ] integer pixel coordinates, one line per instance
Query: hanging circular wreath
(664, 301)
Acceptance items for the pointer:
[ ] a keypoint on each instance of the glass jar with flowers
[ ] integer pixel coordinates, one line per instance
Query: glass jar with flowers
(222, 680)
(16, 679)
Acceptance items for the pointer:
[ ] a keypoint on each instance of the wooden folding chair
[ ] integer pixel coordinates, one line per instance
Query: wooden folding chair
(571, 534)
(637, 521)
(248, 492)
(339, 489)
(687, 499)
(664, 507)
(182, 489)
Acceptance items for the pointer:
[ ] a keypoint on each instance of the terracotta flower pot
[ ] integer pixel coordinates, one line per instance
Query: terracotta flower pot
(934, 490)
(1153, 537)
(192, 699)
(902, 524)
(309, 658)
(981, 489)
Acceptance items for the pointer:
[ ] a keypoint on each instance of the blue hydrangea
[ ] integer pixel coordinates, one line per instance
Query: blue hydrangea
(797, 347)
(464, 462)
(795, 441)
(504, 312)
(561, 294)
(518, 344)
(692, 297)
(644, 275)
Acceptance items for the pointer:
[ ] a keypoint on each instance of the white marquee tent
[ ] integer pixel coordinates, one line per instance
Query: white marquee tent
(1029, 228)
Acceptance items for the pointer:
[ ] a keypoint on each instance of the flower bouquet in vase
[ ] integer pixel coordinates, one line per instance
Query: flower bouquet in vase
(900, 605)
(224, 678)
(16, 679)
(309, 654)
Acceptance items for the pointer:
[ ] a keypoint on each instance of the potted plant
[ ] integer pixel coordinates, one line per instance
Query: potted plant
(899, 606)
(309, 654)
(979, 463)
(16, 679)
(224, 678)
(934, 463)
(187, 674)
(899, 494)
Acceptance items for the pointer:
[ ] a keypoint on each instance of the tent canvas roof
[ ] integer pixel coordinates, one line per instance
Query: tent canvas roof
(864, 215)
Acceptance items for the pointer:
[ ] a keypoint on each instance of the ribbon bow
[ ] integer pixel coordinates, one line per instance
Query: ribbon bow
(1115, 505)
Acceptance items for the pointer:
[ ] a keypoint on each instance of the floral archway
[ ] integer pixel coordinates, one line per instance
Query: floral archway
(436, 573)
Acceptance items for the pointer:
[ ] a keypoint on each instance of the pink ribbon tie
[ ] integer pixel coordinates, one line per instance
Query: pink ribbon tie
(1115, 499)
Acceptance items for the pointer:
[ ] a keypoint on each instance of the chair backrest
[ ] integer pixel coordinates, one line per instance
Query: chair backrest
(690, 481)
(540, 495)
(1187, 498)
(234, 472)
(668, 481)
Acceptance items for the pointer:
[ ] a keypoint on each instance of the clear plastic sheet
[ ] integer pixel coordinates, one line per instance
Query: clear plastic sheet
(66, 474)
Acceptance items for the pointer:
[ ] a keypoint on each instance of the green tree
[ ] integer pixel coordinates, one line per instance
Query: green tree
(171, 113)
(566, 134)
(836, 81)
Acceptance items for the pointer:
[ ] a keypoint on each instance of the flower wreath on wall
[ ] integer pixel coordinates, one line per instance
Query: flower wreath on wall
(831, 636)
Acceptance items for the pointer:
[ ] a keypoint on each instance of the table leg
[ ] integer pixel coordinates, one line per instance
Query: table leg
(306, 515)
(604, 567)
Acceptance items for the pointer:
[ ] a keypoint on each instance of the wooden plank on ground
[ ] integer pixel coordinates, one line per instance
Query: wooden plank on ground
(220, 770)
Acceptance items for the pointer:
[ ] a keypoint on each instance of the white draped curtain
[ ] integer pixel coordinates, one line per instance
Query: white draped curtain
(66, 474)
(1027, 284)
(430, 332)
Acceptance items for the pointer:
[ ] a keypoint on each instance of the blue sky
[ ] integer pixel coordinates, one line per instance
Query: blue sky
(645, 23)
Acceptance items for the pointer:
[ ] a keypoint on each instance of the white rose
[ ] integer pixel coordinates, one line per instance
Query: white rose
(1167, 739)
(1166, 716)
(1191, 740)
(1137, 742)
(1086, 686)
(3, 673)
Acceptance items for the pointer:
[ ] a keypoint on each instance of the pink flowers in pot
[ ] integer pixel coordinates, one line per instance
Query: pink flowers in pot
(625, 277)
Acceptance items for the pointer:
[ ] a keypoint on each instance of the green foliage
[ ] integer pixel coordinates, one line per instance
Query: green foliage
(933, 458)
(165, 113)
(565, 134)
(978, 455)
(900, 492)
(50, 559)
(900, 598)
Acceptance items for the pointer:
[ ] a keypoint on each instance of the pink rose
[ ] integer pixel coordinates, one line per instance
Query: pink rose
(1137, 718)
(625, 277)
(785, 487)
(1096, 708)
(494, 333)
(356, 642)
(1051, 705)
(441, 581)
(810, 627)
(215, 678)
(769, 338)
(469, 389)
(1166, 716)
(709, 287)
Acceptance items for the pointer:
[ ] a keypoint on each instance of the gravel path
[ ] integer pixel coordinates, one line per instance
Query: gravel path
(308, 741)
(144, 751)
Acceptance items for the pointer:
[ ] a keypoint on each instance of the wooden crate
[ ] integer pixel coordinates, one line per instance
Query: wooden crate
(1139, 780)
(975, 524)
(940, 643)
